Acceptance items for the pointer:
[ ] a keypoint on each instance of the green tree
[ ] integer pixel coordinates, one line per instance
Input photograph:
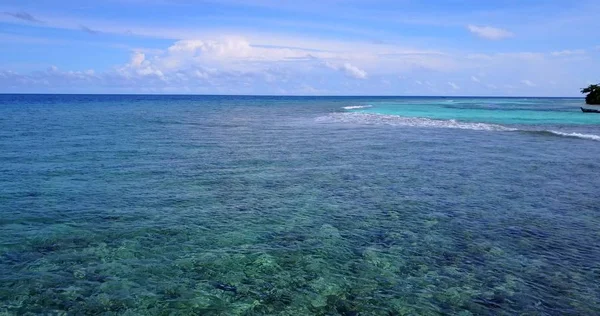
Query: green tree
(593, 92)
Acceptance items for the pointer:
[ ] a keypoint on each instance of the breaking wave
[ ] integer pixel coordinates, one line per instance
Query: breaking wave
(576, 135)
(356, 107)
(395, 120)
(367, 118)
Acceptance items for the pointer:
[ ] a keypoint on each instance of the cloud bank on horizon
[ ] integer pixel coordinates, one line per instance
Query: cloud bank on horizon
(328, 47)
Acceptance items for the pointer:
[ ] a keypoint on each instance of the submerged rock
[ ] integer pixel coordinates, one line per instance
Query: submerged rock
(225, 287)
(266, 264)
(325, 287)
(329, 232)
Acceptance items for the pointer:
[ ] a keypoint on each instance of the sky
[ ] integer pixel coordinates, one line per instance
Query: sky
(325, 47)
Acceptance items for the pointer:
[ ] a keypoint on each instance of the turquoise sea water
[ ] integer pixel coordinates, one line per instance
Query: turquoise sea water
(491, 110)
(207, 205)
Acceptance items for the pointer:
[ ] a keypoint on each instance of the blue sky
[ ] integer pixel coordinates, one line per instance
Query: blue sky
(326, 47)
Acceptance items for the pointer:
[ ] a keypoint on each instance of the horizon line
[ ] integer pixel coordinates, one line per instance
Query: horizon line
(294, 95)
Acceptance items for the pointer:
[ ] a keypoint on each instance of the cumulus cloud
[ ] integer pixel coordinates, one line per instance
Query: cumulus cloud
(240, 49)
(137, 59)
(488, 32)
(228, 47)
(138, 65)
(137, 76)
(51, 77)
(23, 16)
(240, 65)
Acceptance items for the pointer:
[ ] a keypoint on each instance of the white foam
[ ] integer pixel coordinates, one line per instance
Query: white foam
(395, 120)
(367, 118)
(356, 107)
(578, 135)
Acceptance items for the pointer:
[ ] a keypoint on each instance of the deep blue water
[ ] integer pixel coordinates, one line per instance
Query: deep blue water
(218, 205)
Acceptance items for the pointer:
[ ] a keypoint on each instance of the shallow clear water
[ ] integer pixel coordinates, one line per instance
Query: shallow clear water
(491, 110)
(148, 205)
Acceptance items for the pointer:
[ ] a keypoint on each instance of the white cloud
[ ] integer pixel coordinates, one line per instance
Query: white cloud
(489, 32)
(354, 71)
(229, 49)
(140, 66)
(563, 53)
(137, 59)
(349, 69)
(239, 64)
(453, 85)
(528, 83)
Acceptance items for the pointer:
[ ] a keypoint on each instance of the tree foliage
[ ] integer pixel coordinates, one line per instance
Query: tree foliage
(593, 92)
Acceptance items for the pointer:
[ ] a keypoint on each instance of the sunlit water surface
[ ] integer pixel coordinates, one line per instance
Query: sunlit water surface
(156, 205)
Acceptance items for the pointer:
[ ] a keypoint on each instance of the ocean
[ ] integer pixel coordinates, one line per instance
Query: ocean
(256, 205)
